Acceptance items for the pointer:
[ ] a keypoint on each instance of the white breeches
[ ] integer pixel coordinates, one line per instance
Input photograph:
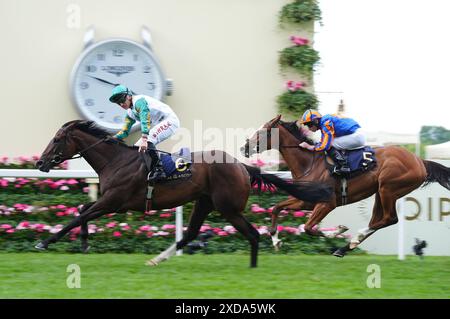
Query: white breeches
(162, 130)
(350, 142)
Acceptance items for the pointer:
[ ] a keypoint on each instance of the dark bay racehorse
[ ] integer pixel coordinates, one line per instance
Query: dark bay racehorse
(397, 173)
(122, 172)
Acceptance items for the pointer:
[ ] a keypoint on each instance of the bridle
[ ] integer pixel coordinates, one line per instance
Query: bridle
(58, 157)
(269, 135)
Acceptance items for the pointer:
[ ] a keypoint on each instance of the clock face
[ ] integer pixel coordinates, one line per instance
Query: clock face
(107, 64)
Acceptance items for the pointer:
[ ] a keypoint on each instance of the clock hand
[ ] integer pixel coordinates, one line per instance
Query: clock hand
(107, 82)
(101, 80)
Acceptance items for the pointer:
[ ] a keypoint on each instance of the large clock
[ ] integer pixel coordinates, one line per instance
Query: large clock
(108, 63)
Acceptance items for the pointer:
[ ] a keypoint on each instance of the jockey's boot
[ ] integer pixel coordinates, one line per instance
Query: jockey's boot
(341, 159)
(156, 171)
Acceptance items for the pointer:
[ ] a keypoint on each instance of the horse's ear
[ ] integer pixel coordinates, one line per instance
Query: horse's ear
(276, 119)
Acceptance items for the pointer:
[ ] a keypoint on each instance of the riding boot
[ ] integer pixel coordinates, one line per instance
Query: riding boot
(341, 159)
(156, 170)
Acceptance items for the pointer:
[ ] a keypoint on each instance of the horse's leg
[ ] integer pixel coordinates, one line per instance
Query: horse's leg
(203, 206)
(98, 206)
(84, 233)
(290, 204)
(363, 234)
(247, 230)
(321, 210)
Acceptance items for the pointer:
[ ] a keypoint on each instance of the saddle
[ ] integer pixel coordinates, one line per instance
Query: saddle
(176, 166)
(359, 160)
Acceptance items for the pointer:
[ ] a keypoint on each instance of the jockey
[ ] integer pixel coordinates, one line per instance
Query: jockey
(148, 111)
(338, 134)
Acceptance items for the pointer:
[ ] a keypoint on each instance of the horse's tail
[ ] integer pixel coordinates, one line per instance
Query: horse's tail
(437, 173)
(306, 191)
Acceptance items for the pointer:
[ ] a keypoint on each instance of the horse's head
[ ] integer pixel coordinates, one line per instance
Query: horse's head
(61, 147)
(263, 139)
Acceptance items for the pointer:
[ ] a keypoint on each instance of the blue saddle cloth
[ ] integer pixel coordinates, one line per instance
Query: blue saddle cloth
(177, 165)
(359, 161)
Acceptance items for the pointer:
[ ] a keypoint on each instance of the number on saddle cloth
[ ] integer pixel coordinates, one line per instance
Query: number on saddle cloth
(361, 159)
(177, 164)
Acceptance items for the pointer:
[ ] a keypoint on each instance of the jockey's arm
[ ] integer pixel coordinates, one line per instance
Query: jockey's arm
(123, 133)
(327, 130)
(144, 115)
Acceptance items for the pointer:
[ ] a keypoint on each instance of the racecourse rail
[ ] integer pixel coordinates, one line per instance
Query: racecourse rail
(92, 179)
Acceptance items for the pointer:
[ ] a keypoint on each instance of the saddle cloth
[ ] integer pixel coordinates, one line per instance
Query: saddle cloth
(177, 165)
(359, 161)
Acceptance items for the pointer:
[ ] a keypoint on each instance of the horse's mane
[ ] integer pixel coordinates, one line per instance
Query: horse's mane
(297, 132)
(93, 129)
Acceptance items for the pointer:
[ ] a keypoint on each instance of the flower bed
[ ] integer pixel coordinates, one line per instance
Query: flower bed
(34, 209)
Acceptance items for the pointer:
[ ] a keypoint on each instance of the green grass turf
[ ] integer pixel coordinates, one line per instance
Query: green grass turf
(44, 275)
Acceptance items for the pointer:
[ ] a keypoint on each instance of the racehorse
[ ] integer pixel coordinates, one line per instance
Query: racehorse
(398, 172)
(122, 172)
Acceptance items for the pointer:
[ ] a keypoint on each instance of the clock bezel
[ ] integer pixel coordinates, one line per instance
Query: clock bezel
(73, 87)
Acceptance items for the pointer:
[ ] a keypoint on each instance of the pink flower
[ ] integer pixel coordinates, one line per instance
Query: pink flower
(204, 228)
(5, 226)
(229, 229)
(298, 214)
(4, 182)
(255, 208)
(111, 225)
(298, 41)
(86, 189)
(60, 214)
(280, 228)
(117, 234)
(10, 231)
(149, 234)
(295, 86)
(144, 228)
(23, 225)
(165, 215)
(168, 227)
(222, 233)
(72, 181)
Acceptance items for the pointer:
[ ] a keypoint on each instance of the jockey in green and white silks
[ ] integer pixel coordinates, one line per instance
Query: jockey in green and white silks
(158, 120)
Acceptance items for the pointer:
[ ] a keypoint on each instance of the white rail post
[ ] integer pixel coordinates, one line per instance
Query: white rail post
(401, 228)
(179, 227)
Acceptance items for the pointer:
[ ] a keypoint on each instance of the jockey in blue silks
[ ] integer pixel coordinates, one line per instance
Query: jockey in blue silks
(338, 134)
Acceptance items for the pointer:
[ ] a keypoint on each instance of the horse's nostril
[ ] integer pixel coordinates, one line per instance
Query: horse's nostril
(39, 163)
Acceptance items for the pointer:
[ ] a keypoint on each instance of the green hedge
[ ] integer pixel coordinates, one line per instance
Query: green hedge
(33, 211)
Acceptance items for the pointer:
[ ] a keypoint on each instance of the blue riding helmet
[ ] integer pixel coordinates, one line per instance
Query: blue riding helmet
(118, 93)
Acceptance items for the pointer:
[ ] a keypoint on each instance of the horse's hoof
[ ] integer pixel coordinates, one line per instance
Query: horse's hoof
(86, 250)
(339, 253)
(277, 245)
(342, 229)
(151, 263)
(41, 246)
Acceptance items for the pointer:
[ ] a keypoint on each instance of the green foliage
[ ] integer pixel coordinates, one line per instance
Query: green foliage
(301, 11)
(297, 102)
(302, 58)
(434, 135)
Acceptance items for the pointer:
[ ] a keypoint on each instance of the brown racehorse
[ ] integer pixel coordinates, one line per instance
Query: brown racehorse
(122, 172)
(398, 172)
